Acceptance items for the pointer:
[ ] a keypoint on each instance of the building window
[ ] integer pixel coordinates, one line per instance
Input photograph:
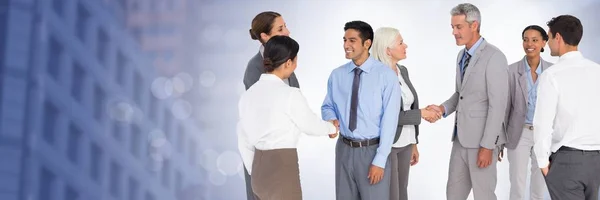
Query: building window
(178, 182)
(70, 193)
(96, 162)
(153, 108)
(117, 131)
(136, 139)
(149, 196)
(192, 152)
(83, 16)
(181, 138)
(166, 174)
(102, 50)
(138, 87)
(58, 6)
(77, 84)
(134, 186)
(115, 180)
(74, 140)
(55, 51)
(121, 66)
(167, 124)
(100, 98)
(47, 182)
(50, 122)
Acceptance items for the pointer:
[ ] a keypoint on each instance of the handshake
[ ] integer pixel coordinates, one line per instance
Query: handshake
(335, 123)
(432, 113)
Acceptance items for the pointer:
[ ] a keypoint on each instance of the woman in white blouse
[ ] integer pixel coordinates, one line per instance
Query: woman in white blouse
(272, 116)
(389, 48)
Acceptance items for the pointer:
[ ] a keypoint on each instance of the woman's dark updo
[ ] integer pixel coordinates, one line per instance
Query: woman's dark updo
(539, 29)
(278, 50)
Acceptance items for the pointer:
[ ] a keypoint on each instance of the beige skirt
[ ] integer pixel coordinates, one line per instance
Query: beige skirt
(275, 175)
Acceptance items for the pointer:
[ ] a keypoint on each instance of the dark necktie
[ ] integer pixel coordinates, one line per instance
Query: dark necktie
(466, 64)
(354, 99)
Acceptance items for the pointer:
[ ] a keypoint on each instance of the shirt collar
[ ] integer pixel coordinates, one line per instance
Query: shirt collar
(262, 50)
(570, 55)
(270, 77)
(474, 47)
(528, 68)
(366, 66)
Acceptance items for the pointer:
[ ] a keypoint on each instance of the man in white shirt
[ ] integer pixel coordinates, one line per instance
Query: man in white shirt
(566, 128)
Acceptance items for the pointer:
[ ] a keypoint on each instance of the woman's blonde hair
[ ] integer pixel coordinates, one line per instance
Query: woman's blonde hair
(384, 38)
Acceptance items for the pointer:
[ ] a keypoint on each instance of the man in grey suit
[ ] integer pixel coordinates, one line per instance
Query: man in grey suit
(480, 102)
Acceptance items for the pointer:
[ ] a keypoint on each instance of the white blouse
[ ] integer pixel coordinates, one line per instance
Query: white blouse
(272, 116)
(408, 131)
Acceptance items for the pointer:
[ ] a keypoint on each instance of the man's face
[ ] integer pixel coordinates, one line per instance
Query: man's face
(353, 44)
(463, 31)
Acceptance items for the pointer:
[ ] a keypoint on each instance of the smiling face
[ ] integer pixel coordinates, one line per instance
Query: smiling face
(533, 43)
(354, 46)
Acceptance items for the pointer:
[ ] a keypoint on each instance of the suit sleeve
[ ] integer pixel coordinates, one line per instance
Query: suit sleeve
(251, 75)
(496, 77)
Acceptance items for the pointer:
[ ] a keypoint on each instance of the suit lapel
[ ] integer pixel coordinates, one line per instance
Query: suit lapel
(404, 74)
(523, 80)
(472, 62)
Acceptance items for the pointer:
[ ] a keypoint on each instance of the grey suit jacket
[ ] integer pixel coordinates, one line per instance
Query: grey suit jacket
(255, 68)
(481, 98)
(412, 116)
(518, 97)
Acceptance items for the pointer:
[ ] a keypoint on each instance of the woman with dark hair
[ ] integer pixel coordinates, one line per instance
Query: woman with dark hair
(264, 26)
(272, 116)
(523, 76)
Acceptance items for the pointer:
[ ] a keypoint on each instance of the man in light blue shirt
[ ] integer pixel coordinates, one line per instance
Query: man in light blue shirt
(364, 96)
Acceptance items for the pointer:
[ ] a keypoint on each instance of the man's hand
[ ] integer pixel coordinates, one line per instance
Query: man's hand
(335, 123)
(414, 158)
(430, 115)
(375, 174)
(484, 157)
(546, 169)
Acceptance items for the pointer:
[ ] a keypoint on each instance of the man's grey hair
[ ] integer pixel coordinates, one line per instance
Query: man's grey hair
(470, 11)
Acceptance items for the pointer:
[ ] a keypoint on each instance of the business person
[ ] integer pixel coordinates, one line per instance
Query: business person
(480, 101)
(364, 96)
(272, 116)
(523, 81)
(264, 26)
(389, 48)
(566, 129)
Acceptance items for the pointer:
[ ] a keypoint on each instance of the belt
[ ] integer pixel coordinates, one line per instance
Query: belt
(361, 143)
(566, 148)
(528, 126)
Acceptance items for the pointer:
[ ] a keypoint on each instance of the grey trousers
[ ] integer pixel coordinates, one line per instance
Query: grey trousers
(518, 159)
(275, 175)
(351, 171)
(400, 163)
(464, 175)
(574, 175)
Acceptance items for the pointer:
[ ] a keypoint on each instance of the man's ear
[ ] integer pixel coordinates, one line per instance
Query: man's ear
(368, 43)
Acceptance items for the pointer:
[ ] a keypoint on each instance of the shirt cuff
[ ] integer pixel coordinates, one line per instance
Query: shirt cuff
(379, 160)
(444, 114)
(543, 163)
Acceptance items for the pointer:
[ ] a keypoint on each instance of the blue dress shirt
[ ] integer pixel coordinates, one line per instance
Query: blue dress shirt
(378, 105)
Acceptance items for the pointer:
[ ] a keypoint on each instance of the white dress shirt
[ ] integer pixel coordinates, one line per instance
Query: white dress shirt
(408, 131)
(567, 107)
(272, 116)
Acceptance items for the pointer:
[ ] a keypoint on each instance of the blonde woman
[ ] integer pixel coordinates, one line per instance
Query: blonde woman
(389, 48)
